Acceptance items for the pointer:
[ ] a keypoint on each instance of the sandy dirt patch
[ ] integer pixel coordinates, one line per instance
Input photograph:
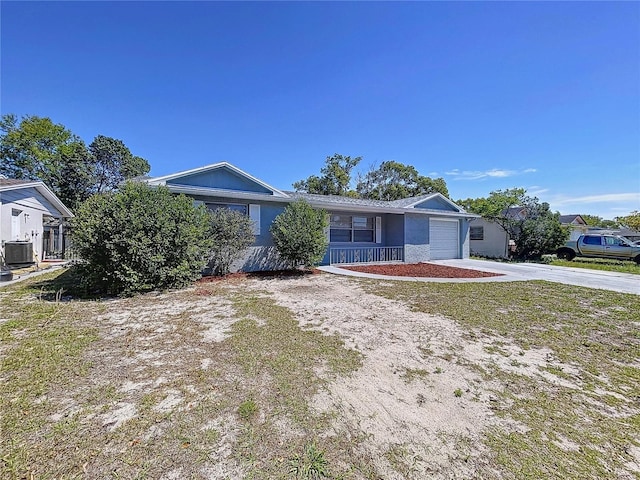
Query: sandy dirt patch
(417, 398)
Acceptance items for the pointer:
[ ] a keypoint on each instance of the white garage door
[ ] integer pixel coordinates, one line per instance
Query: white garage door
(444, 239)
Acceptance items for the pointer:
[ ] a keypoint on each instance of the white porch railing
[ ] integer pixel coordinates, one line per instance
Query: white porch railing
(365, 254)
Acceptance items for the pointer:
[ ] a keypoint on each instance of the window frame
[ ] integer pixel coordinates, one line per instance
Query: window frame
(352, 229)
(477, 227)
(244, 206)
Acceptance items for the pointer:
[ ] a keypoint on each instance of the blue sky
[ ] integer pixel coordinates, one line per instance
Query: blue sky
(487, 95)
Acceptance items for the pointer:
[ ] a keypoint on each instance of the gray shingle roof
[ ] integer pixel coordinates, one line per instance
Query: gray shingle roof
(13, 181)
(568, 218)
(402, 204)
(338, 200)
(405, 202)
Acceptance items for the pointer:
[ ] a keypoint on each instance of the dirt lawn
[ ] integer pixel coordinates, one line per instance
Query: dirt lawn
(232, 379)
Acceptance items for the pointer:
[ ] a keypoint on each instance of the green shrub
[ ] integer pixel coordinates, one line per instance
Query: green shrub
(299, 234)
(140, 239)
(231, 234)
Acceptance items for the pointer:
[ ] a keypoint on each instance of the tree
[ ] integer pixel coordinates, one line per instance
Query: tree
(394, 180)
(631, 221)
(231, 234)
(299, 234)
(595, 221)
(35, 149)
(38, 149)
(75, 184)
(530, 224)
(114, 163)
(140, 239)
(335, 177)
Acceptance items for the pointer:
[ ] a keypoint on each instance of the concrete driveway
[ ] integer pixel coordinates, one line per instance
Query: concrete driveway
(512, 272)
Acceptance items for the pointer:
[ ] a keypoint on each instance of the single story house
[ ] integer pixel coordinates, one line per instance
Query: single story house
(26, 207)
(410, 230)
(488, 239)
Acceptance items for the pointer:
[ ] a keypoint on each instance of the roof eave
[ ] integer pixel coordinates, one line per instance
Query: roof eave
(330, 206)
(222, 193)
(45, 192)
(163, 180)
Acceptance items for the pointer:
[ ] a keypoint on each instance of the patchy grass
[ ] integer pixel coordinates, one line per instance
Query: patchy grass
(132, 388)
(578, 422)
(215, 381)
(609, 265)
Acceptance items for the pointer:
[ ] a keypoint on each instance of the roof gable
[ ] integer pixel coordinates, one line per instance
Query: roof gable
(432, 201)
(21, 188)
(219, 176)
(572, 219)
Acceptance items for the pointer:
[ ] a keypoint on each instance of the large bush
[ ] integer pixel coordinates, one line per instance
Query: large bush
(141, 238)
(231, 235)
(299, 234)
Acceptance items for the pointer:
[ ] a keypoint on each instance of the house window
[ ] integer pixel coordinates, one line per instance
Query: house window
(476, 233)
(351, 228)
(243, 209)
(251, 210)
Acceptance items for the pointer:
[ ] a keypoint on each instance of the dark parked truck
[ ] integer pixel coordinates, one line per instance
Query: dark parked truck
(600, 246)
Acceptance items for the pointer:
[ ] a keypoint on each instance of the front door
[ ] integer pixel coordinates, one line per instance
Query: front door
(15, 224)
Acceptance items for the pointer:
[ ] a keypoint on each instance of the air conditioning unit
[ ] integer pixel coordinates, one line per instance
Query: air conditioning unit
(16, 253)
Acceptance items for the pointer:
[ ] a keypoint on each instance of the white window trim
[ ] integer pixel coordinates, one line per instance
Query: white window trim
(254, 215)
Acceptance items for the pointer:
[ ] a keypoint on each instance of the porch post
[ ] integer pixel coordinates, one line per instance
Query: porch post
(61, 238)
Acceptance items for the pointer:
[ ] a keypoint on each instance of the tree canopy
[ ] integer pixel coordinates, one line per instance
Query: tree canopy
(390, 181)
(529, 223)
(113, 163)
(631, 221)
(36, 148)
(393, 181)
(334, 179)
(596, 221)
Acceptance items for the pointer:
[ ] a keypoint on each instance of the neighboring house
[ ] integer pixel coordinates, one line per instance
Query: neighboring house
(576, 223)
(632, 235)
(25, 207)
(416, 229)
(488, 239)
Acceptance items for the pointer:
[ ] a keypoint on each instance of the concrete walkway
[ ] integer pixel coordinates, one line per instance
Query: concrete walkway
(23, 274)
(514, 272)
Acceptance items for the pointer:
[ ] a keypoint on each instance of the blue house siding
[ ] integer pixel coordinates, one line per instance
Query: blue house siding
(393, 230)
(416, 238)
(436, 204)
(220, 178)
(464, 237)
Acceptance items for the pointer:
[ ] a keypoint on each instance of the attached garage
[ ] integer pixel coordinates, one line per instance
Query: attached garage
(444, 239)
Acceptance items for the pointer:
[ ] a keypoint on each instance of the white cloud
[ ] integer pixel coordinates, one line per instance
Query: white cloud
(602, 198)
(536, 191)
(493, 173)
(606, 205)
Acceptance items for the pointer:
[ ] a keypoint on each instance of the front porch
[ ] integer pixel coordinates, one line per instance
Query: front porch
(366, 254)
